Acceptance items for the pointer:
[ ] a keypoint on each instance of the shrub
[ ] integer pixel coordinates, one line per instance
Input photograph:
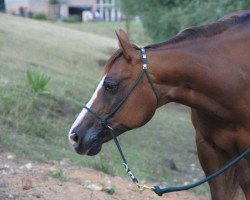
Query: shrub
(110, 190)
(37, 81)
(40, 16)
(53, 2)
(72, 19)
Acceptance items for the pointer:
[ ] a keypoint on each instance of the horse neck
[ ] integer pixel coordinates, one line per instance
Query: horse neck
(180, 76)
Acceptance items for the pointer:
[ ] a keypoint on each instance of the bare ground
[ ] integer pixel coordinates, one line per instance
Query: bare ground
(24, 180)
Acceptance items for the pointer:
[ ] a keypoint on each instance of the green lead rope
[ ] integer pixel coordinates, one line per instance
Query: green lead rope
(161, 191)
(127, 169)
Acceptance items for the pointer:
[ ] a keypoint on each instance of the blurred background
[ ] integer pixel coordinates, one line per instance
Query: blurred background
(51, 56)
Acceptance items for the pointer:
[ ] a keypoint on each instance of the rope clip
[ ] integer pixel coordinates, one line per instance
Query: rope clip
(141, 188)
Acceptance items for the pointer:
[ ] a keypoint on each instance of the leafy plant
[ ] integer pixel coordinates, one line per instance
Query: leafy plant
(37, 81)
(110, 190)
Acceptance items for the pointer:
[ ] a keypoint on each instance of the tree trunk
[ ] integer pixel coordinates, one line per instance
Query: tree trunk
(128, 25)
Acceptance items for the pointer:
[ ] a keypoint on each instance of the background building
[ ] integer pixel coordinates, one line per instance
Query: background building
(86, 10)
(108, 10)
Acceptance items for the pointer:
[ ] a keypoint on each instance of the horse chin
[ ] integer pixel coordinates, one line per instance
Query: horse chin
(94, 150)
(106, 136)
(96, 147)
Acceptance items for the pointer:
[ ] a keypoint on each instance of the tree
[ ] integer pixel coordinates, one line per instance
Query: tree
(129, 9)
(53, 2)
(2, 5)
(162, 19)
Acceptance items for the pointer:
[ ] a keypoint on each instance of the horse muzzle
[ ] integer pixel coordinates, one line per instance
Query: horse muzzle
(89, 144)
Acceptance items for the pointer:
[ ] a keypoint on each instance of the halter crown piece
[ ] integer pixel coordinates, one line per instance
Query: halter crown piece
(105, 125)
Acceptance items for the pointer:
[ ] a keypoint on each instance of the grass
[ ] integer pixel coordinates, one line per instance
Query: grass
(35, 126)
(57, 174)
(108, 29)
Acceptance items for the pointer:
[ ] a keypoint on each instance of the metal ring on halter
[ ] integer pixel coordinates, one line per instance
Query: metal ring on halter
(109, 127)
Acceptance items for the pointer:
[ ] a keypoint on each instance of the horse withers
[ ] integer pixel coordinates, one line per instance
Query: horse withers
(206, 68)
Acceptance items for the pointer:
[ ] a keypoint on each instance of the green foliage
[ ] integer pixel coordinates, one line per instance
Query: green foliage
(53, 2)
(72, 19)
(37, 81)
(110, 190)
(164, 18)
(129, 7)
(40, 16)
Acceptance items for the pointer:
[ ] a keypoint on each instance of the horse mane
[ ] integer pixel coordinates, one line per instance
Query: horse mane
(205, 31)
(191, 33)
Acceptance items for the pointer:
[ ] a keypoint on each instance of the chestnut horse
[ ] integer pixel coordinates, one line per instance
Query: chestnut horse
(206, 68)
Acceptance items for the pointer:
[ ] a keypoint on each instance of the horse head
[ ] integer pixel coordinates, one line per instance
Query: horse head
(89, 132)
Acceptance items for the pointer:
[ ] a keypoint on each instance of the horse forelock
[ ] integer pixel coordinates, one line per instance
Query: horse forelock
(111, 61)
(113, 58)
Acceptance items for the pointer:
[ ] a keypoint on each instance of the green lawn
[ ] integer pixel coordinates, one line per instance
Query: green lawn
(36, 126)
(108, 29)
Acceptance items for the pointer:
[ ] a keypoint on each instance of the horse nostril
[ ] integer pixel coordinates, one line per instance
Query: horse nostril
(74, 137)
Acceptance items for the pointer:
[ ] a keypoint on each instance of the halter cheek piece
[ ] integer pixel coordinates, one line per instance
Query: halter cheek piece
(105, 125)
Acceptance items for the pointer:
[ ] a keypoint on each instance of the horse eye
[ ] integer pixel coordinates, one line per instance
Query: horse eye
(110, 87)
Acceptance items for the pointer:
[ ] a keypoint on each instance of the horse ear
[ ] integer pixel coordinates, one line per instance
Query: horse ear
(127, 48)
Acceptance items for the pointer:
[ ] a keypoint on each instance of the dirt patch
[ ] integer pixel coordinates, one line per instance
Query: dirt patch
(24, 180)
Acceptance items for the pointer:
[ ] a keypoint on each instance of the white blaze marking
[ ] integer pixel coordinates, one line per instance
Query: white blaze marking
(84, 111)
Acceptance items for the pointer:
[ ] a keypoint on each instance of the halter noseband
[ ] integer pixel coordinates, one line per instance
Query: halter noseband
(104, 119)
